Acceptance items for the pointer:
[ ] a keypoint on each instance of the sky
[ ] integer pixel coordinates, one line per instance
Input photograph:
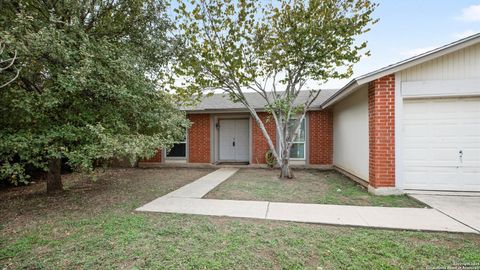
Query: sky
(410, 27)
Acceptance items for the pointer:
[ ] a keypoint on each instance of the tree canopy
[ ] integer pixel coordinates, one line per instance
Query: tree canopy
(88, 83)
(272, 49)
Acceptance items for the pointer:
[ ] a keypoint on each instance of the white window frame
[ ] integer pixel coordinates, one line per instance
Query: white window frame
(186, 149)
(304, 142)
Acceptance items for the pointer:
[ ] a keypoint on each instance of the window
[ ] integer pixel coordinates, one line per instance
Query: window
(179, 149)
(298, 147)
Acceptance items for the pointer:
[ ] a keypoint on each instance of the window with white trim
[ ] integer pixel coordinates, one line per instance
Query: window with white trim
(179, 149)
(297, 152)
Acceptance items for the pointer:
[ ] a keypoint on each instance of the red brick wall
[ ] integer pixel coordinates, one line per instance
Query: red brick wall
(259, 143)
(199, 138)
(381, 114)
(320, 136)
(156, 158)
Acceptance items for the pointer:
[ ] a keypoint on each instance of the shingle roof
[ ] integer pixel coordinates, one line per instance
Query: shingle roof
(222, 102)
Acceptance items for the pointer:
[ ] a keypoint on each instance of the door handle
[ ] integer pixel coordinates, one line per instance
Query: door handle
(460, 155)
(233, 143)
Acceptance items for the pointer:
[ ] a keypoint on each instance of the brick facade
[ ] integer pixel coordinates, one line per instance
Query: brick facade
(381, 119)
(259, 143)
(199, 138)
(156, 158)
(320, 137)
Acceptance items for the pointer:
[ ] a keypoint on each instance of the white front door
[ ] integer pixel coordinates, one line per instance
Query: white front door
(241, 140)
(442, 144)
(234, 140)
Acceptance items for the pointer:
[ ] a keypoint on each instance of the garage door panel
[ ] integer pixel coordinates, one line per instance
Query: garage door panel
(415, 155)
(422, 179)
(434, 131)
(471, 130)
(432, 156)
(420, 175)
(424, 175)
(417, 142)
(444, 130)
(470, 175)
(416, 110)
(442, 155)
(417, 130)
(470, 106)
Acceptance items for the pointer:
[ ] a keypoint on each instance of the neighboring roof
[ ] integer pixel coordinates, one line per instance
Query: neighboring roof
(221, 102)
(356, 83)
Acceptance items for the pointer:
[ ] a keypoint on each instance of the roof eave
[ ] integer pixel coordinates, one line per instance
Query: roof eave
(236, 110)
(340, 94)
(407, 63)
(419, 59)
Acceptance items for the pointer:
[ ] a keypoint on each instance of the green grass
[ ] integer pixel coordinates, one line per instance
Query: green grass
(308, 186)
(93, 225)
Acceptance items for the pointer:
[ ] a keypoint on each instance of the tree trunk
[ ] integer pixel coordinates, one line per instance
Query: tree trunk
(54, 177)
(285, 171)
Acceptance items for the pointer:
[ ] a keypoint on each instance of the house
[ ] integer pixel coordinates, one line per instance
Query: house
(413, 125)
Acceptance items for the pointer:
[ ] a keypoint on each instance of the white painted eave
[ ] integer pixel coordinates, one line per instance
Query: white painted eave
(356, 83)
(351, 87)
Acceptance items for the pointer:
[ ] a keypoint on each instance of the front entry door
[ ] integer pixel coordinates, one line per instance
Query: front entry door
(234, 140)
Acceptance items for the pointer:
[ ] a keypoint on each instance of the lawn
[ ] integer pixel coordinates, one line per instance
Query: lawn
(93, 225)
(308, 186)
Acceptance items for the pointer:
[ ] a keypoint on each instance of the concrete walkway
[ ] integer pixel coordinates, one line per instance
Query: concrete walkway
(465, 209)
(203, 185)
(187, 200)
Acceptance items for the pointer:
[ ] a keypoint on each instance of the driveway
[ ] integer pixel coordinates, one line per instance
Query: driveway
(465, 209)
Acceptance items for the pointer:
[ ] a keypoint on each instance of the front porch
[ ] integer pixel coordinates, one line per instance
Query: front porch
(234, 137)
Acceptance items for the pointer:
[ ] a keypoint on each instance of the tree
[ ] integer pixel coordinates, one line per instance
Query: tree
(88, 86)
(7, 62)
(273, 50)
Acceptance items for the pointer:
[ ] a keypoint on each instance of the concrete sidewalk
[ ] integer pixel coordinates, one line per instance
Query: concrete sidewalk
(465, 209)
(187, 200)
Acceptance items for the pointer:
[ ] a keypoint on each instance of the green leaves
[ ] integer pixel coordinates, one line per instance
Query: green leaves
(88, 89)
(242, 45)
(232, 44)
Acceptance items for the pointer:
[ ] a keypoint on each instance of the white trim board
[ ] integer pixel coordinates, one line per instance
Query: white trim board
(440, 88)
(399, 66)
(398, 132)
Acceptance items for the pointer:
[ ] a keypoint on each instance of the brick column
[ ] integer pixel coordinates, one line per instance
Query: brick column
(381, 119)
(320, 137)
(259, 143)
(199, 138)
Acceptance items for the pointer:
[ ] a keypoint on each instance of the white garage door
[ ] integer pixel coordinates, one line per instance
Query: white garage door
(442, 144)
